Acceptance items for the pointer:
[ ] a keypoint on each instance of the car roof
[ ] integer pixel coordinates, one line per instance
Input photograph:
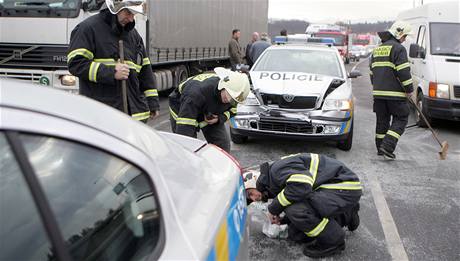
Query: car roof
(314, 47)
(76, 108)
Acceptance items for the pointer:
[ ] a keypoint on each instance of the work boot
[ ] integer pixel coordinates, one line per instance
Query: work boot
(354, 219)
(379, 152)
(387, 155)
(318, 251)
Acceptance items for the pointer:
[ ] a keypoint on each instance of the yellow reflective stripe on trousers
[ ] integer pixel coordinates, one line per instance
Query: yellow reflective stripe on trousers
(145, 61)
(389, 93)
(314, 163)
(186, 121)
(81, 51)
(394, 134)
(346, 185)
(318, 229)
(300, 178)
(151, 93)
(173, 114)
(283, 200)
(383, 64)
(141, 116)
(402, 66)
(405, 83)
(92, 74)
(380, 136)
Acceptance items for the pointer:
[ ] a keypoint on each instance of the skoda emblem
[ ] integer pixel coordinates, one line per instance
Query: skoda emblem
(288, 97)
(44, 81)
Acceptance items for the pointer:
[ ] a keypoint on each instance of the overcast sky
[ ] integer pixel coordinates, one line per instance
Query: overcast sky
(343, 10)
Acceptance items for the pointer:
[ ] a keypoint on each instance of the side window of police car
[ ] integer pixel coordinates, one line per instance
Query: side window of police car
(22, 234)
(105, 207)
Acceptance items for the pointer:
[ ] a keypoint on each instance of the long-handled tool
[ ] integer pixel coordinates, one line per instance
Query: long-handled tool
(444, 145)
(123, 82)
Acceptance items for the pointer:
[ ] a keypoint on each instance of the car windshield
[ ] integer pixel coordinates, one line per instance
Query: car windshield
(357, 48)
(338, 38)
(305, 61)
(40, 8)
(442, 40)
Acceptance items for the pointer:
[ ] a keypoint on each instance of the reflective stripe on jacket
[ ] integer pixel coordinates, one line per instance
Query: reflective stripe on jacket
(390, 70)
(92, 56)
(294, 177)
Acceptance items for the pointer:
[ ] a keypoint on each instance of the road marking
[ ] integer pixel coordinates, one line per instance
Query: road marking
(394, 243)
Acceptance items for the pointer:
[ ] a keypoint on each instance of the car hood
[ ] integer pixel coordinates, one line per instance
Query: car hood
(298, 84)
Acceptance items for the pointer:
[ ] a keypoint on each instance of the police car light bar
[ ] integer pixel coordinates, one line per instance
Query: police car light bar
(280, 39)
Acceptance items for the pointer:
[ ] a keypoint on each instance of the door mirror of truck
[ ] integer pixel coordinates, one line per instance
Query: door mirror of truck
(413, 50)
(354, 74)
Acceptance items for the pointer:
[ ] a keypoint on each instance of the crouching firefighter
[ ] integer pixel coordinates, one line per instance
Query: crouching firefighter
(318, 194)
(206, 101)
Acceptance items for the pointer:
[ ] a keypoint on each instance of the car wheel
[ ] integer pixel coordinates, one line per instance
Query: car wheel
(238, 139)
(348, 142)
(422, 106)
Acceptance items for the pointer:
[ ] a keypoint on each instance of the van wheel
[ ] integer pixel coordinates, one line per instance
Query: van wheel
(422, 105)
(348, 142)
(238, 139)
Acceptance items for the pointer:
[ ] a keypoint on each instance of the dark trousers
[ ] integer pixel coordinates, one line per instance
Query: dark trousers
(214, 134)
(336, 206)
(392, 117)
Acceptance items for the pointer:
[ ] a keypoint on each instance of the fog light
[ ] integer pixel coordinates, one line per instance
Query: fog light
(68, 80)
(331, 129)
(243, 123)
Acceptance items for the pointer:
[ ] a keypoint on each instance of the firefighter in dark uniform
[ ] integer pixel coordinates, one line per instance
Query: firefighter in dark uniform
(206, 101)
(318, 194)
(94, 58)
(392, 83)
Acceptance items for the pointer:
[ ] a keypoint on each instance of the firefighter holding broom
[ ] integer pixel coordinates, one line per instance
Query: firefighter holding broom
(108, 56)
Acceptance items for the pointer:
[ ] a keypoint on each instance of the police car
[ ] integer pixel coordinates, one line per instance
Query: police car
(82, 181)
(300, 91)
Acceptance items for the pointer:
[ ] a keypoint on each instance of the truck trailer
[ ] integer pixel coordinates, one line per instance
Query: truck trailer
(182, 37)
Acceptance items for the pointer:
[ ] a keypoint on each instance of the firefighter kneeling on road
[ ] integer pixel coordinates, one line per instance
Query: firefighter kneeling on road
(318, 194)
(206, 101)
(392, 81)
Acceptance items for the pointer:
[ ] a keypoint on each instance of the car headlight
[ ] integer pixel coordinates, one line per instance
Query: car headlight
(439, 90)
(337, 105)
(68, 80)
(251, 100)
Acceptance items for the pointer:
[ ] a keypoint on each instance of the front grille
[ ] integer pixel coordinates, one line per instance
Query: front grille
(298, 102)
(33, 77)
(30, 56)
(285, 126)
(457, 91)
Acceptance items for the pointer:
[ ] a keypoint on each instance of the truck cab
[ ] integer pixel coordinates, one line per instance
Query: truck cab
(341, 41)
(434, 54)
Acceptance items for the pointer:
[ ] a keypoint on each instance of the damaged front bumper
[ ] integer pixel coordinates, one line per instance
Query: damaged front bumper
(311, 124)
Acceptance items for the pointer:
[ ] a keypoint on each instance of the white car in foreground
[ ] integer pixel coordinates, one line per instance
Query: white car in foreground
(300, 91)
(82, 181)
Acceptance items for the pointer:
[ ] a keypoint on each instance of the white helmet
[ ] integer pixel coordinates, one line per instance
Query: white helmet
(236, 84)
(250, 179)
(399, 29)
(135, 6)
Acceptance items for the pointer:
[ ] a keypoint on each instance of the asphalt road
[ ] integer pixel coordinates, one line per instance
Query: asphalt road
(410, 209)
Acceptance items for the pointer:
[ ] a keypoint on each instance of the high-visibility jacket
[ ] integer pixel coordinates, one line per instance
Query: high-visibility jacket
(196, 98)
(390, 70)
(293, 178)
(92, 56)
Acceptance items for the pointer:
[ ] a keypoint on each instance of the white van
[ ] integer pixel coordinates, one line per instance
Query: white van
(434, 54)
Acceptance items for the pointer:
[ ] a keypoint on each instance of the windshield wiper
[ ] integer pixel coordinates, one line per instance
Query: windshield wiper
(448, 54)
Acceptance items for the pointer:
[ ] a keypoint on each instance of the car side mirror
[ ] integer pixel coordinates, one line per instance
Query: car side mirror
(354, 74)
(413, 50)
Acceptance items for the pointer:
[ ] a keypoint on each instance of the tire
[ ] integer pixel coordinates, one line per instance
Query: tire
(422, 105)
(346, 144)
(238, 139)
